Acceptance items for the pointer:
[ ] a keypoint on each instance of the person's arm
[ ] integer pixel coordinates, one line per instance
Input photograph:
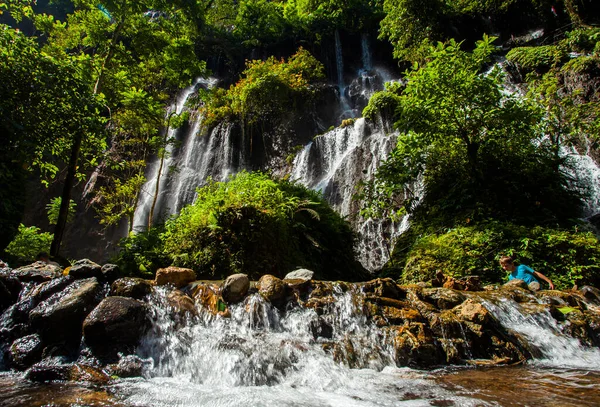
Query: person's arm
(543, 277)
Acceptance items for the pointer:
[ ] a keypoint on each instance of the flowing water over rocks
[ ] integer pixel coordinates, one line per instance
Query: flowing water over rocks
(298, 342)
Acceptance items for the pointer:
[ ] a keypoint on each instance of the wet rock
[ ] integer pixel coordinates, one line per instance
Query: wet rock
(414, 346)
(321, 328)
(85, 268)
(128, 366)
(132, 287)
(10, 288)
(70, 372)
(271, 288)
(207, 295)
(469, 283)
(37, 272)
(235, 288)
(115, 325)
(110, 272)
(443, 298)
(384, 287)
(300, 274)
(47, 373)
(60, 317)
(176, 276)
(590, 293)
(181, 303)
(515, 282)
(473, 312)
(26, 351)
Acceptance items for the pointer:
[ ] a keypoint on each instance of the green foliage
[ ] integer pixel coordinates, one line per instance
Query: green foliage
(568, 257)
(475, 150)
(141, 254)
(538, 58)
(28, 243)
(54, 207)
(267, 89)
(384, 103)
(258, 226)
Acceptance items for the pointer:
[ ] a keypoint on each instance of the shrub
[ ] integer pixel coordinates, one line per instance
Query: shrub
(538, 58)
(267, 89)
(566, 256)
(142, 253)
(28, 243)
(255, 225)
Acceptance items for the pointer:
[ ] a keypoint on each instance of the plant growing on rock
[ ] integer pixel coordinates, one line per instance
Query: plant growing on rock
(255, 225)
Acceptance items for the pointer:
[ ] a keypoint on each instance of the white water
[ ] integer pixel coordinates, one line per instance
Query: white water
(546, 336)
(335, 163)
(264, 357)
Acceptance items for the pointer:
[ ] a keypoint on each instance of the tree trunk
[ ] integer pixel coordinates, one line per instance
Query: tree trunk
(160, 168)
(63, 213)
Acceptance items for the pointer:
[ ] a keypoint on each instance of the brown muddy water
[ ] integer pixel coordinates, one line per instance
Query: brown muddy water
(496, 386)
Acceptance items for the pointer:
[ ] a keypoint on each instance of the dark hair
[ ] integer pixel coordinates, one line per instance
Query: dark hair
(507, 260)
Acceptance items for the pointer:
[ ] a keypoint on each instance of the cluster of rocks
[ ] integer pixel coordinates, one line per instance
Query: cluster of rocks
(84, 323)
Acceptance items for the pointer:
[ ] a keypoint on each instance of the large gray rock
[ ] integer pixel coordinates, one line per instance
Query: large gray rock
(85, 268)
(137, 288)
(110, 272)
(235, 288)
(37, 272)
(300, 274)
(10, 288)
(60, 317)
(115, 325)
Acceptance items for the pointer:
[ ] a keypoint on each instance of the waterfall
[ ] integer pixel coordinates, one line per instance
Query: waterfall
(551, 347)
(189, 162)
(366, 52)
(335, 163)
(339, 63)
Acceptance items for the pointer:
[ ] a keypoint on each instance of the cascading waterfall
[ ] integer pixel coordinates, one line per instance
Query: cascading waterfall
(268, 357)
(189, 162)
(339, 63)
(335, 163)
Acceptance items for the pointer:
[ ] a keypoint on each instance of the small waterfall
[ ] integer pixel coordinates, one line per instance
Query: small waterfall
(265, 356)
(544, 336)
(189, 163)
(335, 163)
(339, 61)
(366, 52)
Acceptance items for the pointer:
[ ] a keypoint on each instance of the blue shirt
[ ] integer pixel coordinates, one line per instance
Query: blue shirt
(522, 272)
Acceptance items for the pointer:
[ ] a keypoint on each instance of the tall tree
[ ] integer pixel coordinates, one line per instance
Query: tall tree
(475, 149)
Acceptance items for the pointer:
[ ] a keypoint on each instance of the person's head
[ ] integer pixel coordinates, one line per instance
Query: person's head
(507, 263)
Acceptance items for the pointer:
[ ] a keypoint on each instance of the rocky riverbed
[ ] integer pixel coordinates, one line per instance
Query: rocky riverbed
(84, 324)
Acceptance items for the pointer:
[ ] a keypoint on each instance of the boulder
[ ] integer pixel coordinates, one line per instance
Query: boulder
(110, 272)
(26, 351)
(235, 288)
(37, 272)
(473, 311)
(300, 274)
(590, 293)
(85, 268)
(320, 328)
(207, 295)
(271, 288)
(181, 303)
(515, 282)
(115, 325)
(132, 287)
(10, 288)
(77, 372)
(443, 298)
(384, 287)
(176, 276)
(60, 317)
(128, 366)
